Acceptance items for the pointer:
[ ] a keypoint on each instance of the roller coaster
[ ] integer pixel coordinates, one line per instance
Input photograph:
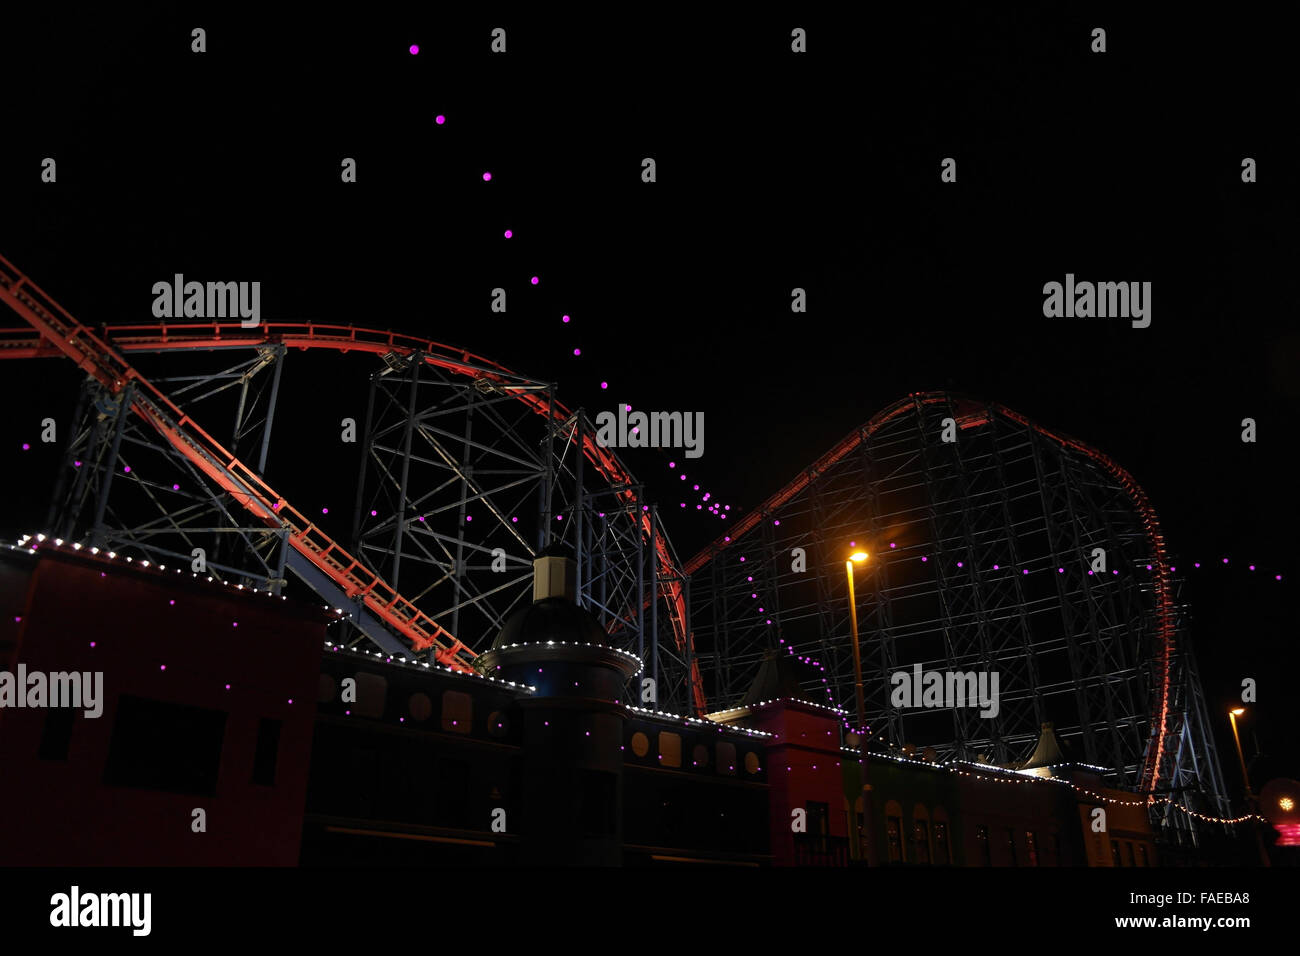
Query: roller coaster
(984, 530)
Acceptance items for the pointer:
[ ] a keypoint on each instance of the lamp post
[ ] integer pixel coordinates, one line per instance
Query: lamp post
(1251, 803)
(858, 557)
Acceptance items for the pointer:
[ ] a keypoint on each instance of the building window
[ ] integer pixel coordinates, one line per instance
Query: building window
(163, 746)
(942, 855)
(1011, 846)
(921, 841)
(420, 707)
(267, 752)
(986, 850)
(1031, 843)
(640, 744)
(372, 695)
(1142, 855)
(1114, 852)
(1128, 853)
(894, 828)
(457, 712)
(670, 749)
(700, 756)
(726, 754)
(751, 762)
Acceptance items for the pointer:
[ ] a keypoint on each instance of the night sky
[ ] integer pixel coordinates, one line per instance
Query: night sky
(775, 171)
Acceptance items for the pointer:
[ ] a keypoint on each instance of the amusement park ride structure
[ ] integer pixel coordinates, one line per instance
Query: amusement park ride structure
(983, 549)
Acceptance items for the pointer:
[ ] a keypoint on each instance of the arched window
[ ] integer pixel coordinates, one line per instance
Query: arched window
(921, 835)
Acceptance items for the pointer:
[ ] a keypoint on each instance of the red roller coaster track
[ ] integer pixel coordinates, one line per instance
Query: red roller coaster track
(972, 416)
(62, 335)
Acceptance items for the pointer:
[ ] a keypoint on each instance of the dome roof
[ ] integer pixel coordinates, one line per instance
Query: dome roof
(551, 619)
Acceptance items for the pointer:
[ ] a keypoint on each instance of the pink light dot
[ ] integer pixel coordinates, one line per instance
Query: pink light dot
(509, 233)
(995, 567)
(172, 601)
(421, 518)
(76, 464)
(726, 507)
(604, 384)
(748, 577)
(176, 487)
(234, 624)
(1198, 564)
(487, 177)
(777, 521)
(92, 643)
(414, 49)
(516, 520)
(1026, 571)
(728, 539)
(577, 351)
(959, 564)
(683, 504)
(469, 517)
(564, 318)
(440, 119)
(324, 511)
(924, 558)
(1252, 567)
(892, 545)
(1277, 577)
(373, 513)
(291, 700)
(26, 446)
(533, 280)
(1090, 571)
(742, 559)
(698, 507)
(559, 517)
(227, 687)
(126, 468)
(163, 667)
(1225, 560)
(1114, 572)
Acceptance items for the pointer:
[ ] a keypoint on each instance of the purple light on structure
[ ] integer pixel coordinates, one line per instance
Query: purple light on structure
(742, 558)
(26, 446)
(440, 119)
(579, 352)
(559, 517)
(487, 177)
(324, 511)
(672, 464)
(176, 487)
(126, 468)
(564, 318)
(777, 521)
(1198, 564)
(374, 513)
(683, 504)
(995, 567)
(604, 384)
(1277, 577)
(1225, 560)
(509, 233)
(892, 545)
(1025, 571)
(414, 49)
(1252, 567)
(959, 564)
(469, 517)
(533, 280)
(924, 558)
(514, 520)
(76, 464)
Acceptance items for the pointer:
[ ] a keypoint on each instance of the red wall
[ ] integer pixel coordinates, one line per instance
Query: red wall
(60, 812)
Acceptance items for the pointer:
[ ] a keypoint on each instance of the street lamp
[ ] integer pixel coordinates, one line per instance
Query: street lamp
(858, 557)
(1250, 796)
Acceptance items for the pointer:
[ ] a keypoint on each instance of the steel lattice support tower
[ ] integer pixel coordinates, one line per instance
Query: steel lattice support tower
(984, 557)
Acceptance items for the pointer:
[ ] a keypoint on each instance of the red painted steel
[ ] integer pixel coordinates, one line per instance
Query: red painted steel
(67, 337)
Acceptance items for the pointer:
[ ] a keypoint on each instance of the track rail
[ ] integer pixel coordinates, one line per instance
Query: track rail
(60, 335)
(972, 415)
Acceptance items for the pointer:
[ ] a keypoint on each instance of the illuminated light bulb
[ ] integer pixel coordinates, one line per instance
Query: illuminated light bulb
(487, 177)
(508, 233)
(924, 558)
(533, 280)
(604, 384)
(414, 49)
(440, 119)
(579, 352)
